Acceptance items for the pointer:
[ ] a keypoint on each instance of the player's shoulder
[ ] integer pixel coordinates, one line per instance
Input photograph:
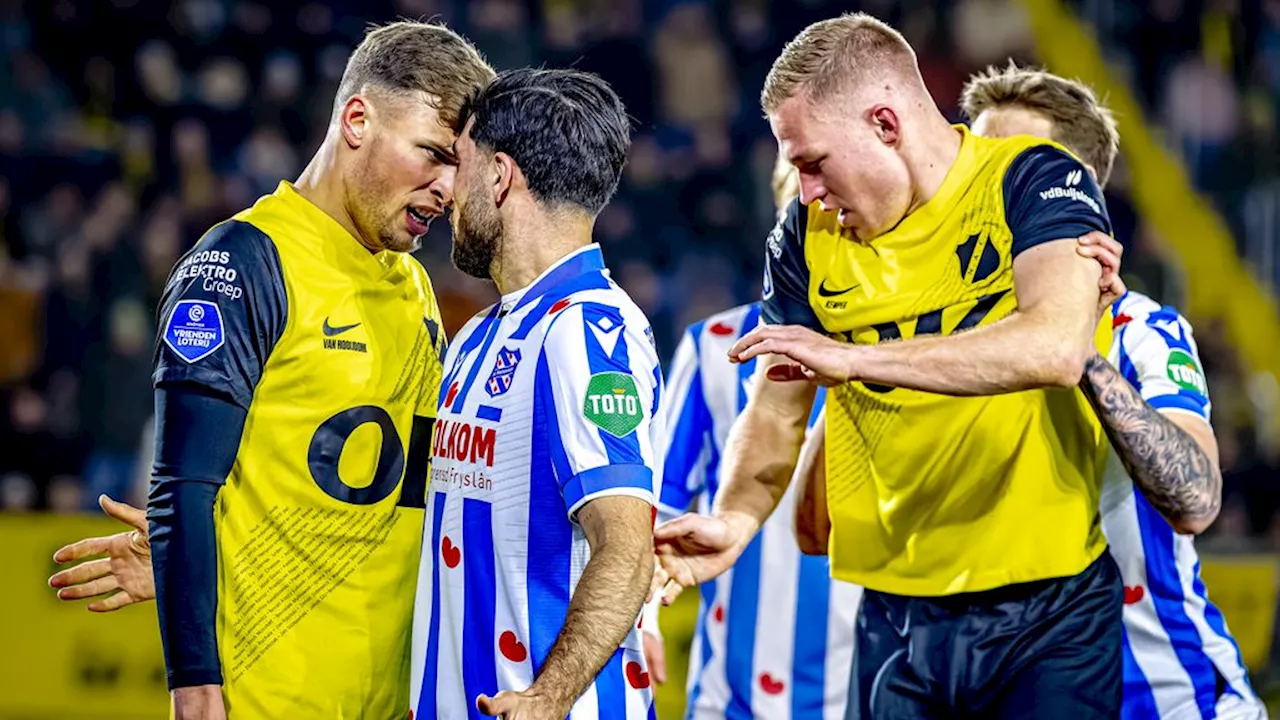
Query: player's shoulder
(1141, 313)
(229, 257)
(729, 324)
(602, 315)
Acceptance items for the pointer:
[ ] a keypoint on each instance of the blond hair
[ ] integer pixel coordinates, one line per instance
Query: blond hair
(422, 57)
(1081, 122)
(826, 56)
(785, 182)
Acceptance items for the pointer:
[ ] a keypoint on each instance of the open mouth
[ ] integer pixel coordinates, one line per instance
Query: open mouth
(418, 221)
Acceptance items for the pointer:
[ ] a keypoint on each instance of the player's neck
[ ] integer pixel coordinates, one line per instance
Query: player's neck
(321, 184)
(932, 160)
(534, 244)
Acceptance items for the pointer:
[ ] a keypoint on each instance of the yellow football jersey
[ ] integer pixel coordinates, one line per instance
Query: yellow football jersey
(930, 494)
(335, 352)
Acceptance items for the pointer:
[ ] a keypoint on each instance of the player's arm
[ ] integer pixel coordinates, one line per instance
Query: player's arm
(1043, 343)
(1160, 428)
(208, 360)
(812, 520)
(600, 375)
(760, 454)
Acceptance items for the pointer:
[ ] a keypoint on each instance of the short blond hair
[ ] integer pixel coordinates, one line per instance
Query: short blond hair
(1081, 122)
(827, 55)
(785, 182)
(409, 56)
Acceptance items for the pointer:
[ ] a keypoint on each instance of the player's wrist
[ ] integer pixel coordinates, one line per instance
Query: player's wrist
(742, 526)
(198, 702)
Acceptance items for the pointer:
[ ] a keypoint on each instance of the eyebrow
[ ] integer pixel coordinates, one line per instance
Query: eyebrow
(448, 153)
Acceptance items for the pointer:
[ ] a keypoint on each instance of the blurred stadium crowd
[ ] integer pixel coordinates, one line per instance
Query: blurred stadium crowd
(127, 127)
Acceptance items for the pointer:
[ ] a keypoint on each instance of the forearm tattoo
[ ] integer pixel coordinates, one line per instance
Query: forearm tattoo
(1165, 462)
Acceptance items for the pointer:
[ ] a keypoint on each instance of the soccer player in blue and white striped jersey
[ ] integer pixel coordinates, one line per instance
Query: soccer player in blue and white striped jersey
(775, 633)
(538, 547)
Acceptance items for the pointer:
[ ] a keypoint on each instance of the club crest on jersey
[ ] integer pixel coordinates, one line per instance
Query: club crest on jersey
(504, 370)
(194, 329)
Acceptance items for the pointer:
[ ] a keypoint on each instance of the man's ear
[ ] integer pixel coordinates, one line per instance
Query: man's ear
(505, 175)
(888, 126)
(354, 120)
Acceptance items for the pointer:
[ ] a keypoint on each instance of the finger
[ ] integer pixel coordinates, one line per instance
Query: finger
(82, 549)
(111, 602)
(81, 573)
(767, 346)
(679, 527)
(496, 705)
(123, 512)
(660, 578)
(671, 591)
(90, 589)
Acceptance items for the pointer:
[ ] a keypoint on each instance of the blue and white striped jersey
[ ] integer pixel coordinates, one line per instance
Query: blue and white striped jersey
(775, 633)
(547, 403)
(1179, 659)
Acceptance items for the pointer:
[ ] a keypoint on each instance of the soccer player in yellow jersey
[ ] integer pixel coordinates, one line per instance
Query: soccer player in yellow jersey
(296, 380)
(963, 470)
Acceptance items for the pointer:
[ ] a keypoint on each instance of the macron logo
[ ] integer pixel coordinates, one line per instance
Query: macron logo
(1071, 192)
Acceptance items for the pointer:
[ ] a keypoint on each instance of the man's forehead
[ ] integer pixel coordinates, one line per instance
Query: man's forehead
(1007, 120)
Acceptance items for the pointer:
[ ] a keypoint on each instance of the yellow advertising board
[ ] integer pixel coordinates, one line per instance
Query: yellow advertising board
(57, 659)
(1244, 587)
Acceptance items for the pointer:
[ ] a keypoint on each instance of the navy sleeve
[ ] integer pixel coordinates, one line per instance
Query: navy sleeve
(785, 296)
(223, 310)
(197, 437)
(1049, 195)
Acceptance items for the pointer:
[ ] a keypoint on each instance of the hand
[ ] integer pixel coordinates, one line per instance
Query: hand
(1107, 251)
(817, 358)
(524, 705)
(693, 549)
(127, 567)
(655, 656)
(199, 702)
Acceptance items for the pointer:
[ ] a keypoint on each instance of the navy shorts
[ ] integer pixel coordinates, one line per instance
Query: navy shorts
(1049, 650)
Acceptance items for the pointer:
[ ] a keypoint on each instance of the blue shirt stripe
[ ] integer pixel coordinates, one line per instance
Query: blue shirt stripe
(488, 330)
(430, 671)
(740, 645)
(809, 656)
(1167, 595)
(479, 646)
(688, 440)
(611, 691)
(708, 592)
(620, 449)
(550, 548)
(1213, 616)
(1193, 402)
(1139, 700)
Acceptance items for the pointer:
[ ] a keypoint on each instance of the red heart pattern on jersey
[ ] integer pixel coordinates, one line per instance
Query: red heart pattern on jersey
(770, 685)
(450, 552)
(721, 328)
(636, 675)
(1133, 594)
(718, 613)
(560, 305)
(511, 648)
(453, 393)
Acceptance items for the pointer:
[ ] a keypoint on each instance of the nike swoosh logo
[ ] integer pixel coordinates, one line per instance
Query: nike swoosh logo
(825, 292)
(330, 331)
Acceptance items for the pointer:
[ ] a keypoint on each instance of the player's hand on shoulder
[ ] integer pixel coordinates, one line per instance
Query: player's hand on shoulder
(1107, 251)
(524, 705)
(126, 569)
(815, 357)
(199, 702)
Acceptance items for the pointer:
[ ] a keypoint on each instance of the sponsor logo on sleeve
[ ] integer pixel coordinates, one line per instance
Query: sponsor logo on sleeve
(194, 329)
(1069, 190)
(766, 290)
(613, 403)
(1185, 372)
(210, 269)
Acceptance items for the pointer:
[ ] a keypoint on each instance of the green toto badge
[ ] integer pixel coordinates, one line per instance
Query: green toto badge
(1185, 372)
(613, 403)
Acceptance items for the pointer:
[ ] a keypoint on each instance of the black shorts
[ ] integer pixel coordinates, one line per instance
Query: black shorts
(1047, 650)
